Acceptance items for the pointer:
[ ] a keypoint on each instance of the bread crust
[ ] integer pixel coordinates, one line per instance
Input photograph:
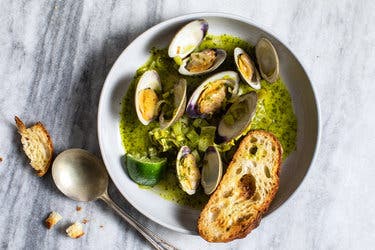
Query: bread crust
(242, 229)
(23, 131)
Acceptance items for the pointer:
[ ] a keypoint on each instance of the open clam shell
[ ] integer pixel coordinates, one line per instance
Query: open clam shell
(267, 59)
(188, 38)
(237, 119)
(146, 96)
(246, 67)
(187, 170)
(179, 92)
(212, 170)
(202, 62)
(210, 96)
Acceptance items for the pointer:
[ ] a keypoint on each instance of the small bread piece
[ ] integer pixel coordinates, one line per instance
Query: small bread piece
(53, 219)
(37, 145)
(75, 231)
(246, 190)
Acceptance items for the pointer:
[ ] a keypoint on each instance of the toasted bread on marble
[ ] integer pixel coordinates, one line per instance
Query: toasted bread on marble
(75, 231)
(246, 190)
(53, 219)
(37, 145)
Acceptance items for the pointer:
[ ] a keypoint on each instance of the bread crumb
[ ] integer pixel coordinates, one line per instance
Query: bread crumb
(101, 226)
(78, 208)
(1, 159)
(84, 221)
(75, 231)
(53, 219)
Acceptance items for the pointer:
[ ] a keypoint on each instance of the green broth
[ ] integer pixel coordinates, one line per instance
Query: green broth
(274, 114)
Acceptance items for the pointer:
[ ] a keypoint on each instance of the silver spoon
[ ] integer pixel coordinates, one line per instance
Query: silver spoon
(82, 176)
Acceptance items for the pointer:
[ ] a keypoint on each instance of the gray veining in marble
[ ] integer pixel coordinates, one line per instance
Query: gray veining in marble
(54, 58)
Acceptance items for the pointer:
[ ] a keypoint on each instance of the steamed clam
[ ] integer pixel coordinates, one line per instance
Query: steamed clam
(212, 170)
(146, 97)
(202, 62)
(267, 59)
(237, 119)
(212, 94)
(179, 103)
(187, 170)
(187, 39)
(246, 67)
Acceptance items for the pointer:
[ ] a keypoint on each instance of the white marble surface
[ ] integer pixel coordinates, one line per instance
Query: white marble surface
(53, 61)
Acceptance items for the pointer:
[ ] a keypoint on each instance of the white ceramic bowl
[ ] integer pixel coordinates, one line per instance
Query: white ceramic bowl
(169, 214)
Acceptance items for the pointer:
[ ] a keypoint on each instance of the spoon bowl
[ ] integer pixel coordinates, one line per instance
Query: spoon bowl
(80, 175)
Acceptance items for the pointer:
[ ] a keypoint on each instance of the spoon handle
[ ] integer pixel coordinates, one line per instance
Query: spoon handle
(150, 236)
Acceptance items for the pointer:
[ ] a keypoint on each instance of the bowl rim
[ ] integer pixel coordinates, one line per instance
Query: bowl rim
(235, 17)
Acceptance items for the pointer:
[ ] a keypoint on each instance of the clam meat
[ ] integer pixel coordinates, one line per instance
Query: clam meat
(246, 67)
(188, 173)
(212, 94)
(146, 97)
(202, 62)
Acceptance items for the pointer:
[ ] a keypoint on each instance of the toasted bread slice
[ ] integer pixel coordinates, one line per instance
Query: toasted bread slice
(246, 190)
(53, 219)
(37, 145)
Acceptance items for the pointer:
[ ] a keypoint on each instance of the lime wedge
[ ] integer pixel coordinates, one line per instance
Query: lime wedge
(145, 171)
